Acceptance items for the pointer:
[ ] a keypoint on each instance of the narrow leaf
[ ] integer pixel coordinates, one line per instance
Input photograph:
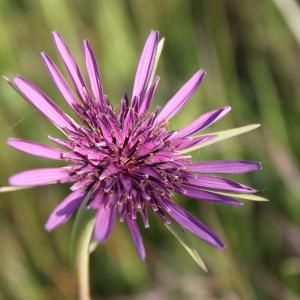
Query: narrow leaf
(221, 136)
(183, 239)
(251, 197)
(6, 189)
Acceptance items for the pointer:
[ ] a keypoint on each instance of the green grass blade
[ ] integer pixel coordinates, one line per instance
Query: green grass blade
(181, 236)
(221, 136)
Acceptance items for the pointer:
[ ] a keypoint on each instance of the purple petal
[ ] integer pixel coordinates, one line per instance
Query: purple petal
(123, 108)
(97, 199)
(104, 222)
(137, 238)
(93, 72)
(63, 143)
(65, 209)
(180, 98)
(42, 102)
(111, 169)
(38, 177)
(127, 183)
(147, 148)
(35, 148)
(219, 183)
(148, 97)
(224, 166)
(188, 143)
(149, 171)
(70, 65)
(199, 194)
(82, 183)
(129, 119)
(188, 221)
(161, 156)
(202, 122)
(59, 80)
(106, 130)
(145, 65)
(116, 130)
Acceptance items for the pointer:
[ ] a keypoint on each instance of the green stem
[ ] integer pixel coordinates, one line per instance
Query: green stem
(82, 263)
(80, 249)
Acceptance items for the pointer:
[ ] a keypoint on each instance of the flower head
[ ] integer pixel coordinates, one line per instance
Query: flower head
(126, 161)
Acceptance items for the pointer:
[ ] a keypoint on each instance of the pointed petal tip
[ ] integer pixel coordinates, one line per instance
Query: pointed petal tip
(99, 239)
(198, 76)
(11, 181)
(153, 35)
(55, 34)
(86, 43)
(48, 226)
(227, 108)
(44, 55)
(201, 74)
(220, 245)
(10, 141)
(142, 257)
(52, 224)
(103, 224)
(137, 237)
(217, 243)
(154, 32)
(17, 79)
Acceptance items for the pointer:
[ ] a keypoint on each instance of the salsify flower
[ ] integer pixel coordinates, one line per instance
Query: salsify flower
(127, 161)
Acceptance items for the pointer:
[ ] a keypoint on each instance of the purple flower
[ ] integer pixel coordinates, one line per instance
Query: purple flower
(127, 161)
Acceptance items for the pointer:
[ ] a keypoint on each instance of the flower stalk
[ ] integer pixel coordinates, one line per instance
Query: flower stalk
(80, 251)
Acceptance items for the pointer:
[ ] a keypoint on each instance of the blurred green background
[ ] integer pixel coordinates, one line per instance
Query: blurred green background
(250, 50)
